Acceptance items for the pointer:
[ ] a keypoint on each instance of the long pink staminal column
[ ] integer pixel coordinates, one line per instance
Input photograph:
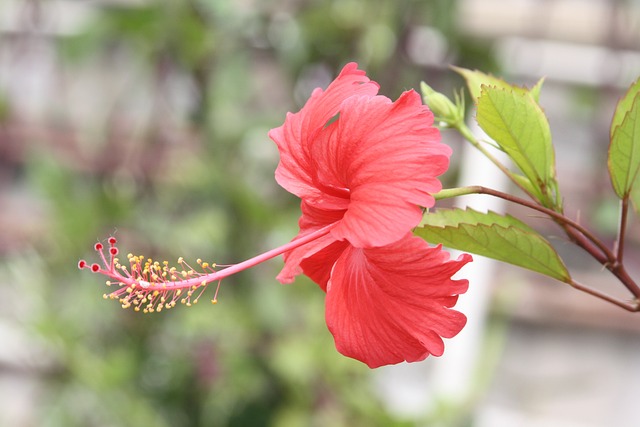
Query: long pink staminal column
(152, 286)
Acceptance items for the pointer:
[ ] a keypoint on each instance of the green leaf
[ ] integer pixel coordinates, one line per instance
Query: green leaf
(624, 105)
(624, 149)
(535, 90)
(454, 217)
(475, 79)
(503, 238)
(518, 124)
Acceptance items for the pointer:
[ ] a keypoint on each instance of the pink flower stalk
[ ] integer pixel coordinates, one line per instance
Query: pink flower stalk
(363, 167)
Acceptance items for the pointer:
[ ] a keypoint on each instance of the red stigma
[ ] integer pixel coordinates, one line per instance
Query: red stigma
(98, 247)
(82, 264)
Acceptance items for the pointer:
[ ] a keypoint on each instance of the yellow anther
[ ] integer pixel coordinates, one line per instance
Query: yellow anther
(199, 261)
(205, 264)
(180, 260)
(214, 301)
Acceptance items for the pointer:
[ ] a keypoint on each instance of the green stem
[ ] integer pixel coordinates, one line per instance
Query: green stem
(448, 193)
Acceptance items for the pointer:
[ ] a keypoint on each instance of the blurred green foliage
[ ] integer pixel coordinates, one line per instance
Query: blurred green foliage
(195, 178)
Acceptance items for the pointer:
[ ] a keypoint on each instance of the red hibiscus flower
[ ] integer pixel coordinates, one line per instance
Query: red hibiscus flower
(364, 167)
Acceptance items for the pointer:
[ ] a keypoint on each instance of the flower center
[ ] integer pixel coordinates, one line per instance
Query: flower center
(332, 190)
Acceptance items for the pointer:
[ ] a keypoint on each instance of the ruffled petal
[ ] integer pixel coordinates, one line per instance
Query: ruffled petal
(318, 266)
(387, 156)
(392, 304)
(295, 172)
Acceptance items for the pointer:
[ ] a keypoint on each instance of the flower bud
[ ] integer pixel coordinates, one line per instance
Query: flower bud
(442, 107)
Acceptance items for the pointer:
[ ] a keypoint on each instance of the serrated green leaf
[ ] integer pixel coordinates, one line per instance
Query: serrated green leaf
(475, 79)
(518, 124)
(453, 217)
(624, 105)
(503, 238)
(634, 89)
(624, 150)
(622, 110)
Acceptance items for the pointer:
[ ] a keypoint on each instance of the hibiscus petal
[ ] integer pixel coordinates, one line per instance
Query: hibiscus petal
(388, 155)
(295, 172)
(391, 304)
(318, 266)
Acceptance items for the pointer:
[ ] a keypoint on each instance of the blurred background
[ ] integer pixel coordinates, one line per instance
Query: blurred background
(148, 120)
